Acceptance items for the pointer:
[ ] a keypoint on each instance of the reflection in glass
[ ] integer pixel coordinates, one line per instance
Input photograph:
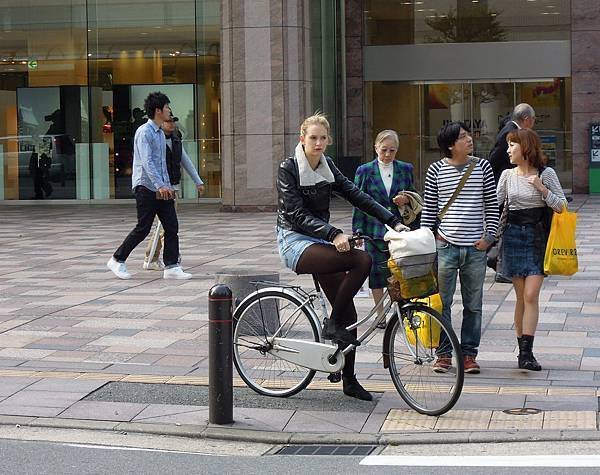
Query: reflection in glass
(50, 124)
(465, 21)
(418, 111)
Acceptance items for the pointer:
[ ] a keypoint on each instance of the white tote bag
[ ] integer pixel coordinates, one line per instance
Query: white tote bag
(410, 243)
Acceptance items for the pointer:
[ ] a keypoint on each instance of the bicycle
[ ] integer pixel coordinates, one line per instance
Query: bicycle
(278, 347)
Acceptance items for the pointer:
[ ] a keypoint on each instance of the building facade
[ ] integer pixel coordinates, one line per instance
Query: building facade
(241, 75)
(73, 78)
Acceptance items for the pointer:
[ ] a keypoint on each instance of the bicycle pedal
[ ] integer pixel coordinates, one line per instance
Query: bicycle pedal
(335, 377)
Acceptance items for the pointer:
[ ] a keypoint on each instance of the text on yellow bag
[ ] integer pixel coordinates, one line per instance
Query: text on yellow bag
(428, 331)
(561, 250)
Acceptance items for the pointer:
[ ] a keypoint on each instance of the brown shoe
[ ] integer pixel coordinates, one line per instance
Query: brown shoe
(471, 366)
(442, 364)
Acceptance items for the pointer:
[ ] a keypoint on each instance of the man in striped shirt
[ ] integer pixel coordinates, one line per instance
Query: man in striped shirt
(463, 235)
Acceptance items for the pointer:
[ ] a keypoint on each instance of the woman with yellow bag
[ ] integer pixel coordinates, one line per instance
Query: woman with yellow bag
(529, 189)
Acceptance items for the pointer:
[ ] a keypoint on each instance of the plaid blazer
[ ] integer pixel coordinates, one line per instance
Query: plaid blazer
(368, 179)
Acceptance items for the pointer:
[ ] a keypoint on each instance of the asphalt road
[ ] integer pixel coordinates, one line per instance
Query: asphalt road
(43, 451)
(308, 400)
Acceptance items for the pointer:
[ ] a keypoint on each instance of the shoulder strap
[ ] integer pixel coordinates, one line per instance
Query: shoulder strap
(459, 188)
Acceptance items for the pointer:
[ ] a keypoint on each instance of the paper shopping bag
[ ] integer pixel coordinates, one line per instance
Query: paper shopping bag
(561, 250)
(428, 331)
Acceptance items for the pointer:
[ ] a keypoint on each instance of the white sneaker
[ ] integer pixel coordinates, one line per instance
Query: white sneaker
(154, 265)
(176, 273)
(118, 268)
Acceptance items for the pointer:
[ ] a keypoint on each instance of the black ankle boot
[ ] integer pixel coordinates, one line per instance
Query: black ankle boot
(526, 358)
(353, 388)
(338, 334)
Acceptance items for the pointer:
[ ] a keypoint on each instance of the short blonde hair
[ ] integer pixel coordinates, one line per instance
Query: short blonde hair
(318, 118)
(387, 134)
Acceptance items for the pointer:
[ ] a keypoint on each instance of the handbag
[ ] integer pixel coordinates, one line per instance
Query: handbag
(561, 249)
(495, 250)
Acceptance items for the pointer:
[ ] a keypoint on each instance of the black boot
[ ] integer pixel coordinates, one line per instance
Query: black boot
(526, 358)
(519, 344)
(353, 388)
(338, 334)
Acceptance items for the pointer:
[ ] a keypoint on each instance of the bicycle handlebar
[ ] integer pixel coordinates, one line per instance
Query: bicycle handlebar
(358, 236)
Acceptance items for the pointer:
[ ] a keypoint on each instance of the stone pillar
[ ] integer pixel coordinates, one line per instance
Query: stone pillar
(265, 94)
(585, 57)
(355, 119)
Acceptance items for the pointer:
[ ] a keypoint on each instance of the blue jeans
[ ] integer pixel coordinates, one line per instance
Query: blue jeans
(468, 264)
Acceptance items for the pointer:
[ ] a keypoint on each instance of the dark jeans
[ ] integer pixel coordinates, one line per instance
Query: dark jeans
(148, 206)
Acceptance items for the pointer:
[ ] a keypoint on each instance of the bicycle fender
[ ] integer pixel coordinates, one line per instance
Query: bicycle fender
(386, 340)
(290, 293)
(388, 329)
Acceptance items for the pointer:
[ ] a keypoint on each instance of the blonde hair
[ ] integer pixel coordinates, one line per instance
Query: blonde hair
(387, 134)
(318, 118)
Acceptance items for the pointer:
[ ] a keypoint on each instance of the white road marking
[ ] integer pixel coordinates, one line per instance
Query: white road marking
(485, 461)
(136, 449)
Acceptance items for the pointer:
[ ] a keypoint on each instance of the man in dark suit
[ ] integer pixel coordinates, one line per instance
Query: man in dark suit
(523, 117)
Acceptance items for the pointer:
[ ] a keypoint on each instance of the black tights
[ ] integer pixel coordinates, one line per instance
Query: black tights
(340, 274)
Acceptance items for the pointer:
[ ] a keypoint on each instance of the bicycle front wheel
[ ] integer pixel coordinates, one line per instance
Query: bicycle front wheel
(412, 345)
(256, 321)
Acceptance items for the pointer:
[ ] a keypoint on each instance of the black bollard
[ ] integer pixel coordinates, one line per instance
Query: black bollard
(220, 355)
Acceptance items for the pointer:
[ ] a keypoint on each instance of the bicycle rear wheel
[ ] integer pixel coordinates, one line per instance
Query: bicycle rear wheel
(256, 320)
(412, 344)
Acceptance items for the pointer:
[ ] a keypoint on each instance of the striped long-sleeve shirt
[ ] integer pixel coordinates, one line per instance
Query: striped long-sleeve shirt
(474, 212)
(523, 195)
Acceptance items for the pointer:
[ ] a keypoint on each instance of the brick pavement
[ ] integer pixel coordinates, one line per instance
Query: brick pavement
(67, 327)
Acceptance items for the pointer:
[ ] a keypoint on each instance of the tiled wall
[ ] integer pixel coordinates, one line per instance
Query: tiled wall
(585, 61)
(354, 78)
(266, 85)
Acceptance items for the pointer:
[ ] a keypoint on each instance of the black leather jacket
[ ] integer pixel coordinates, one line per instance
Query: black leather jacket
(306, 209)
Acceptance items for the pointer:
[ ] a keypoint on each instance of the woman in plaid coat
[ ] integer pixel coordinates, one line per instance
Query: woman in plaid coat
(385, 180)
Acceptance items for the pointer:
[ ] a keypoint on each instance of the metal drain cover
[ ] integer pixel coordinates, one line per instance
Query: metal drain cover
(522, 411)
(358, 450)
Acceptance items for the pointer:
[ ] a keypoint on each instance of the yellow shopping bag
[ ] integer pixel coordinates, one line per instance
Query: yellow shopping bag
(428, 331)
(561, 250)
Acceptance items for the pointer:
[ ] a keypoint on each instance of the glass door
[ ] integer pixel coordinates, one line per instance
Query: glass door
(417, 111)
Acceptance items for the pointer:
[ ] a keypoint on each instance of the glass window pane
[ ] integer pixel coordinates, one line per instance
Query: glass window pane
(42, 64)
(418, 111)
(465, 21)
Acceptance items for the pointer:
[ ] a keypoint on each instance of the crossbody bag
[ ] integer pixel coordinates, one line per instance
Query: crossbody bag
(459, 188)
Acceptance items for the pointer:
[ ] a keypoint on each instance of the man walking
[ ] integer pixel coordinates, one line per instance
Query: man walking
(153, 192)
(176, 158)
(523, 117)
(460, 205)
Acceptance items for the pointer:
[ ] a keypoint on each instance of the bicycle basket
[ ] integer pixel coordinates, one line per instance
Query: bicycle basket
(427, 330)
(416, 275)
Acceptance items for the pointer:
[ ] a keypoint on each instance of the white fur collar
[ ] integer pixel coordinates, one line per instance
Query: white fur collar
(308, 176)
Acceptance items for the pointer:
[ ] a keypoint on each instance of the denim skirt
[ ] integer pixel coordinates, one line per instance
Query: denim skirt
(523, 249)
(292, 244)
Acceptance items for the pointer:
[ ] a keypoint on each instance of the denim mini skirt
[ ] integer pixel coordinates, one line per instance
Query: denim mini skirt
(292, 244)
(523, 249)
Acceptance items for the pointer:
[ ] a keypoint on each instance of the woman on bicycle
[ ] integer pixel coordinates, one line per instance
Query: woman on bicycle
(530, 188)
(309, 244)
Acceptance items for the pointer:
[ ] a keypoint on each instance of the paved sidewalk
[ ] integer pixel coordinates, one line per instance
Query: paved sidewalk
(68, 327)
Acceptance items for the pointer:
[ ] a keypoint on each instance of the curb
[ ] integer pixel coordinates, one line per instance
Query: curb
(283, 438)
